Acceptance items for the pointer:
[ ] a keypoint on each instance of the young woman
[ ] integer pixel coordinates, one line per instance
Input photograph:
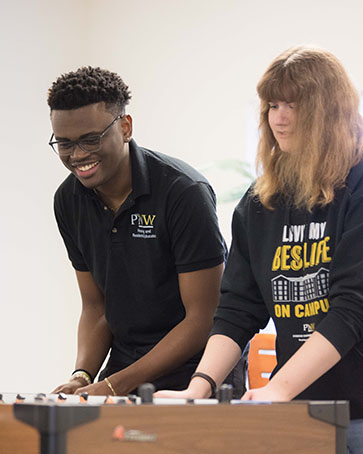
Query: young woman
(297, 248)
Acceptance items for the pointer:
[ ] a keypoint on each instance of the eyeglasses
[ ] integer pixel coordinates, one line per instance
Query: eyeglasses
(89, 144)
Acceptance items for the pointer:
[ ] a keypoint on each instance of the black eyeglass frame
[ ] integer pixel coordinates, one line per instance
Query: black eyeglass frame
(73, 143)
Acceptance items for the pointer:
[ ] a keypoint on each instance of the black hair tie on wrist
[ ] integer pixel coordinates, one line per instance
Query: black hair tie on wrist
(209, 379)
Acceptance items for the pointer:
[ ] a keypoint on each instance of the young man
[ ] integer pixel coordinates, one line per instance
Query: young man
(141, 232)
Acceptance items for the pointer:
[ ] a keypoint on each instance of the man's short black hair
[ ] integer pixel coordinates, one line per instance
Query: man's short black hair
(87, 86)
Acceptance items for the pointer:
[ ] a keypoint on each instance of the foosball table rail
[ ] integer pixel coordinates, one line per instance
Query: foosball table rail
(164, 427)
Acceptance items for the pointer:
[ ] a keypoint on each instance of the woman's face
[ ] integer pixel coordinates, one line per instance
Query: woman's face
(281, 118)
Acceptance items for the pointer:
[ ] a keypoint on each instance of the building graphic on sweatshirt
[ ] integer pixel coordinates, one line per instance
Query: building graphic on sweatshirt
(300, 289)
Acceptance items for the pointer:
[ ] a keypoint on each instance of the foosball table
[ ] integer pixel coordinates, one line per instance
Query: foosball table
(70, 424)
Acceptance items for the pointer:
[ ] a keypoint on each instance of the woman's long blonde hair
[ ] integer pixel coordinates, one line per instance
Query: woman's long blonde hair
(327, 139)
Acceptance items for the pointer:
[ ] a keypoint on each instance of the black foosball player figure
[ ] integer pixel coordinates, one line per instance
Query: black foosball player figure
(141, 231)
(297, 246)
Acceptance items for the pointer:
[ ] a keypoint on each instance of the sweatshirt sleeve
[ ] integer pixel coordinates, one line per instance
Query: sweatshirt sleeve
(241, 312)
(343, 324)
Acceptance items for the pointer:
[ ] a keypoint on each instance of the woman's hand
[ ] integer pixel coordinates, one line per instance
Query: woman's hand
(185, 394)
(265, 394)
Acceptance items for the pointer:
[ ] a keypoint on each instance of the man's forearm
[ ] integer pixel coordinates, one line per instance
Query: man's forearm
(199, 291)
(94, 337)
(181, 343)
(94, 342)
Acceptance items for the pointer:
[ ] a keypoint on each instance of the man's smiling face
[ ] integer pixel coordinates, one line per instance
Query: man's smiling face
(99, 168)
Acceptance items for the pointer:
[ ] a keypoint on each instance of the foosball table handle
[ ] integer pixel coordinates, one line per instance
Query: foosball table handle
(225, 393)
(146, 391)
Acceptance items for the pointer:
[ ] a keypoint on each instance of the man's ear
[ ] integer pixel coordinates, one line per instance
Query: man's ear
(126, 125)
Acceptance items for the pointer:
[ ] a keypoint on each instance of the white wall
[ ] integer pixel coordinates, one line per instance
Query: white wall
(192, 67)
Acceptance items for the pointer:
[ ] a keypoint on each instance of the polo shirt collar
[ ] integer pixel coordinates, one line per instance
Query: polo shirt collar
(139, 172)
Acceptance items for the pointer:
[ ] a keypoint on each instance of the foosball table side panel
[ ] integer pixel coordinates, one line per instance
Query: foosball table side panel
(16, 437)
(251, 429)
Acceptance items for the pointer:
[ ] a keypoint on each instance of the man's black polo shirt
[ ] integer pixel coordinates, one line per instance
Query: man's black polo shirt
(166, 226)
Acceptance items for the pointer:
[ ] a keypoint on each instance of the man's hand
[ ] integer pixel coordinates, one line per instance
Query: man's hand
(96, 389)
(69, 388)
(78, 387)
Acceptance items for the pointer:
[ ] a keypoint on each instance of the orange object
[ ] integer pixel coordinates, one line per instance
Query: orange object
(19, 399)
(109, 400)
(261, 359)
(118, 433)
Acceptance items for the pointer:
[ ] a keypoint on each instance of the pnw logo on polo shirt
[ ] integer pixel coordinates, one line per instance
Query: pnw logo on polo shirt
(143, 225)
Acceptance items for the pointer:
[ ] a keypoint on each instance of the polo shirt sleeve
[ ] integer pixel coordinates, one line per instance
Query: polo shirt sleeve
(196, 240)
(65, 222)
